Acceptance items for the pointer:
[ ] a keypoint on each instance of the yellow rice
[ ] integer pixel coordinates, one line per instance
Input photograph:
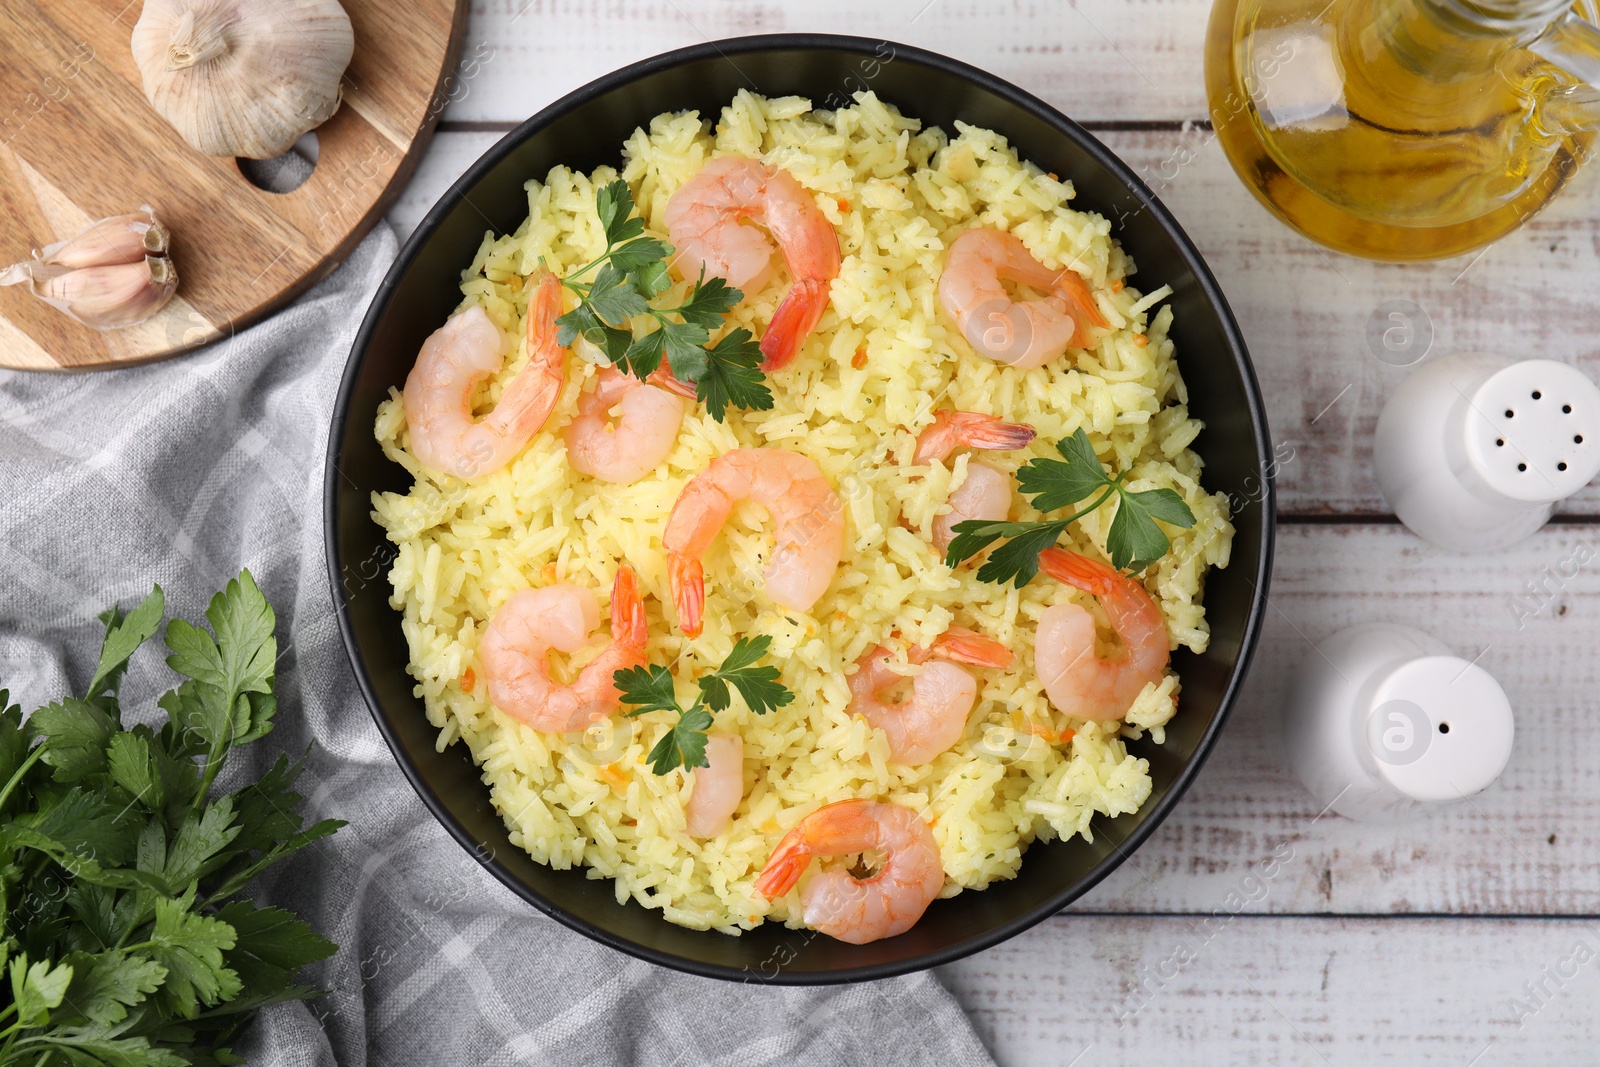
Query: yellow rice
(897, 195)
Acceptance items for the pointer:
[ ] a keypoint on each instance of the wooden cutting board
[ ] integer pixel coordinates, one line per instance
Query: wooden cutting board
(79, 142)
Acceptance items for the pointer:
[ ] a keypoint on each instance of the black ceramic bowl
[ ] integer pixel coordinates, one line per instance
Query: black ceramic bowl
(587, 129)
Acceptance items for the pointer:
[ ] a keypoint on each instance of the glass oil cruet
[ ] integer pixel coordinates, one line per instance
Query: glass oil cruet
(1404, 129)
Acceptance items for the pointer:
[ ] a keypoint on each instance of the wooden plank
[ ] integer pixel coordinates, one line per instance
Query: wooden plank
(1285, 992)
(1089, 58)
(1306, 312)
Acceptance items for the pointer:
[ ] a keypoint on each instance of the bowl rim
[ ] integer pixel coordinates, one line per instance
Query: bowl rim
(865, 46)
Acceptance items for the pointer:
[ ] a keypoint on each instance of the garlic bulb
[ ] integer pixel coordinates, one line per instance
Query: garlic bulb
(243, 77)
(111, 274)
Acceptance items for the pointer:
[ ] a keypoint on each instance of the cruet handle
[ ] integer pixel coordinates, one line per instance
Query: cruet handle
(1572, 45)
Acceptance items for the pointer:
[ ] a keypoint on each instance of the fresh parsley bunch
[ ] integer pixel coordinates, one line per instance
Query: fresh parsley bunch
(632, 272)
(1134, 541)
(127, 941)
(652, 689)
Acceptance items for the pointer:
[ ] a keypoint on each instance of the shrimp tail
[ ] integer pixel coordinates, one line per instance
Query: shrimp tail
(629, 626)
(960, 645)
(996, 436)
(793, 322)
(529, 398)
(1075, 292)
(1080, 572)
(957, 429)
(543, 307)
(662, 378)
(789, 861)
(687, 578)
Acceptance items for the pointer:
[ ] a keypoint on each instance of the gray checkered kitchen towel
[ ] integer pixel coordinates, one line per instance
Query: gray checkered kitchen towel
(183, 472)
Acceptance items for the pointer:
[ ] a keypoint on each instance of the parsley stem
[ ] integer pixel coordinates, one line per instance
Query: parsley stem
(5, 794)
(589, 266)
(1111, 487)
(214, 760)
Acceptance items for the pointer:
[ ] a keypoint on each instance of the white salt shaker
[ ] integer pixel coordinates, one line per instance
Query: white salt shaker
(1383, 722)
(1474, 451)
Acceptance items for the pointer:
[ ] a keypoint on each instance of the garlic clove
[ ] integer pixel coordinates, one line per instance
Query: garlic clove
(113, 273)
(240, 77)
(111, 296)
(30, 272)
(119, 239)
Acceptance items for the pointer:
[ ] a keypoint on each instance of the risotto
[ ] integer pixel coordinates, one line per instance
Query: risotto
(881, 362)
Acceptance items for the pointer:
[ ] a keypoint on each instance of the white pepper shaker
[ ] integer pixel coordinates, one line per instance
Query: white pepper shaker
(1474, 451)
(1383, 722)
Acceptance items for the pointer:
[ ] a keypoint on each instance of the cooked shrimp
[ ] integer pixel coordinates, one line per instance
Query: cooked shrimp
(718, 788)
(636, 441)
(986, 491)
(942, 695)
(1078, 682)
(459, 355)
(836, 902)
(986, 494)
(951, 430)
(704, 222)
(807, 514)
(1021, 334)
(561, 617)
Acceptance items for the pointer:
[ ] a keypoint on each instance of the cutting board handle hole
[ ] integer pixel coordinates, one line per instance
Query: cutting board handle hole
(285, 173)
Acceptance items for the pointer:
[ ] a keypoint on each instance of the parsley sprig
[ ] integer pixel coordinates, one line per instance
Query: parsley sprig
(651, 688)
(633, 271)
(1134, 541)
(128, 938)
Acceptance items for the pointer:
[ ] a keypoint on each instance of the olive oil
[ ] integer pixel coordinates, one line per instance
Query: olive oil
(1394, 129)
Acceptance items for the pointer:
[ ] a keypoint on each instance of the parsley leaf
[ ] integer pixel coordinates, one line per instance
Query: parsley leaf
(651, 279)
(105, 985)
(274, 936)
(758, 685)
(124, 634)
(1017, 561)
(651, 688)
(1163, 504)
(228, 698)
(640, 254)
(1054, 484)
(1134, 540)
(76, 733)
(189, 945)
(133, 767)
(126, 942)
(710, 302)
(632, 272)
(613, 298)
(36, 989)
(684, 745)
(580, 321)
(729, 373)
(676, 342)
(614, 205)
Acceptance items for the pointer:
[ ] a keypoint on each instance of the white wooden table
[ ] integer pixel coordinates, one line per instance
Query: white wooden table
(1469, 938)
